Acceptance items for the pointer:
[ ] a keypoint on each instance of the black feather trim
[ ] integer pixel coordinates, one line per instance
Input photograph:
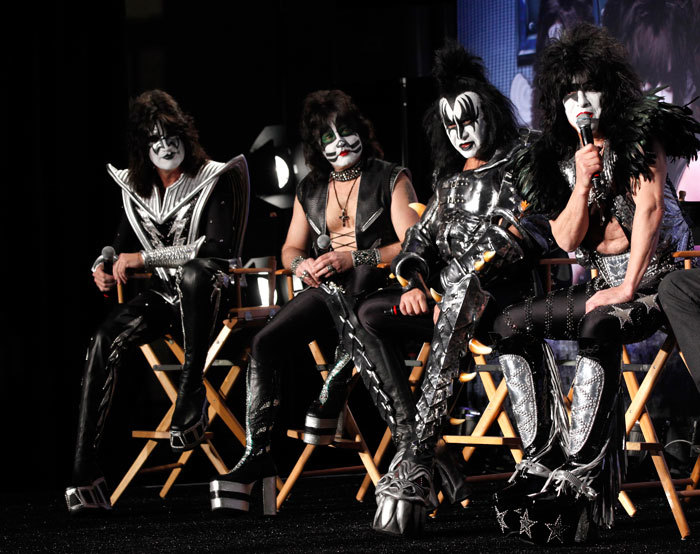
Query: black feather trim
(632, 137)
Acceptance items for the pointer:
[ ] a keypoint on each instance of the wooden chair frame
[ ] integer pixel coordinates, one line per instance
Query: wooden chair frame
(637, 412)
(414, 380)
(237, 317)
(356, 443)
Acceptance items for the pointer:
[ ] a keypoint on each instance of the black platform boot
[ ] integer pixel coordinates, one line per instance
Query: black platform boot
(232, 491)
(89, 491)
(323, 418)
(199, 284)
(406, 494)
(533, 385)
(580, 495)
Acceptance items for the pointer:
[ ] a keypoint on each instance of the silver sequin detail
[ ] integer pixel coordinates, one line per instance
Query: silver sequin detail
(170, 256)
(521, 390)
(588, 388)
(365, 257)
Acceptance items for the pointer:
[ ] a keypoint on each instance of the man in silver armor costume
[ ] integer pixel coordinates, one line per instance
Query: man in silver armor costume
(472, 225)
(178, 223)
(599, 174)
(350, 213)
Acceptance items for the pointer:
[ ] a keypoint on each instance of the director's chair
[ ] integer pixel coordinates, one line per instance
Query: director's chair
(355, 442)
(237, 318)
(638, 413)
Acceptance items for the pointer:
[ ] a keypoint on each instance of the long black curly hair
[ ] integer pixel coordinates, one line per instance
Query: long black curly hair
(320, 107)
(587, 56)
(457, 71)
(145, 111)
(630, 120)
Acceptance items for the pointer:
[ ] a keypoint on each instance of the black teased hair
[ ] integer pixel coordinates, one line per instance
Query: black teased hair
(319, 107)
(158, 106)
(457, 71)
(589, 55)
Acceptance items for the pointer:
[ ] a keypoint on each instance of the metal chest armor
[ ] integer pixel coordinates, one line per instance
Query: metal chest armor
(465, 201)
(170, 219)
(674, 232)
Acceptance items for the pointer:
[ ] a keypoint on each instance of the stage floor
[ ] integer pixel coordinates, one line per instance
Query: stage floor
(320, 516)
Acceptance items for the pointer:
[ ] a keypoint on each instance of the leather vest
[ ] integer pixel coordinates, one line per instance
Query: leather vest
(373, 226)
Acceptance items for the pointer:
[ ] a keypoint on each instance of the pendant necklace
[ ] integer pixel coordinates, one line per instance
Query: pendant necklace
(344, 212)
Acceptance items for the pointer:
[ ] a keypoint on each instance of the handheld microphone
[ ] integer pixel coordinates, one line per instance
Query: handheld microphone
(583, 122)
(108, 255)
(323, 243)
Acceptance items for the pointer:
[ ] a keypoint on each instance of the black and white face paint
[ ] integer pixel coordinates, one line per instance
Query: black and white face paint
(165, 152)
(463, 122)
(583, 102)
(341, 145)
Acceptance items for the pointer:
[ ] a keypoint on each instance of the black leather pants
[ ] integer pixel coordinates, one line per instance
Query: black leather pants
(143, 319)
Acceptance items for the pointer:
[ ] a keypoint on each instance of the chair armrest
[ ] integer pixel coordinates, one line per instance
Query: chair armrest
(687, 257)
(558, 261)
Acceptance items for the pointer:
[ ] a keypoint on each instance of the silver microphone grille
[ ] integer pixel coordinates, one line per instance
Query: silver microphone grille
(323, 242)
(108, 253)
(583, 119)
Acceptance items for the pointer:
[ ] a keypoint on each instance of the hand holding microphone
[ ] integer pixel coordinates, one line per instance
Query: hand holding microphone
(103, 274)
(588, 161)
(108, 255)
(329, 261)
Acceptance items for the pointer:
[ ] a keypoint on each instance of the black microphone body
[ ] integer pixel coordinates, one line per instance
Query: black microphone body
(108, 255)
(583, 122)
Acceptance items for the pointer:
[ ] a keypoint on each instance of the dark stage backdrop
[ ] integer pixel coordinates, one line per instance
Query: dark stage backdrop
(70, 68)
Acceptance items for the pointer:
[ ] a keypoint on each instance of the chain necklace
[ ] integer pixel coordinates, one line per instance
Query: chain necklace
(344, 212)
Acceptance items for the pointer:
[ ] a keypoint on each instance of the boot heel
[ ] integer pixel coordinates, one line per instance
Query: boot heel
(269, 492)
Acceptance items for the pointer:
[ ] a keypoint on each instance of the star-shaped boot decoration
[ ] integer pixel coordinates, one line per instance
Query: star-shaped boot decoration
(556, 530)
(526, 524)
(501, 518)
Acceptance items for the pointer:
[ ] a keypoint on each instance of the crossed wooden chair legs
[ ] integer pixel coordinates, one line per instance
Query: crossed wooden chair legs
(356, 442)
(217, 408)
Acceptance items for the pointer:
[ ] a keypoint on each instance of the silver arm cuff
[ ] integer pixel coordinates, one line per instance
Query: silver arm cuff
(366, 257)
(99, 260)
(171, 256)
(296, 261)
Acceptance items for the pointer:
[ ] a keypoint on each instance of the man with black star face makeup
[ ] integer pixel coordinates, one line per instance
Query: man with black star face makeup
(178, 224)
(474, 243)
(350, 213)
(599, 174)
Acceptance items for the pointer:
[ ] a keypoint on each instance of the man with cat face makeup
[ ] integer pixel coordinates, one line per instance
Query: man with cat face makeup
(178, 223)
(350, 213)
(599, 174)
(471, 235)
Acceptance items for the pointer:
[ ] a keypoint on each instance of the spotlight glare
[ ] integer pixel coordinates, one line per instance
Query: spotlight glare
(282, 170)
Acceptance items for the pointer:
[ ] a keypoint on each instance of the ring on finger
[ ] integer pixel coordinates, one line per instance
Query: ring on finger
(304, 274)
(330, 268)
